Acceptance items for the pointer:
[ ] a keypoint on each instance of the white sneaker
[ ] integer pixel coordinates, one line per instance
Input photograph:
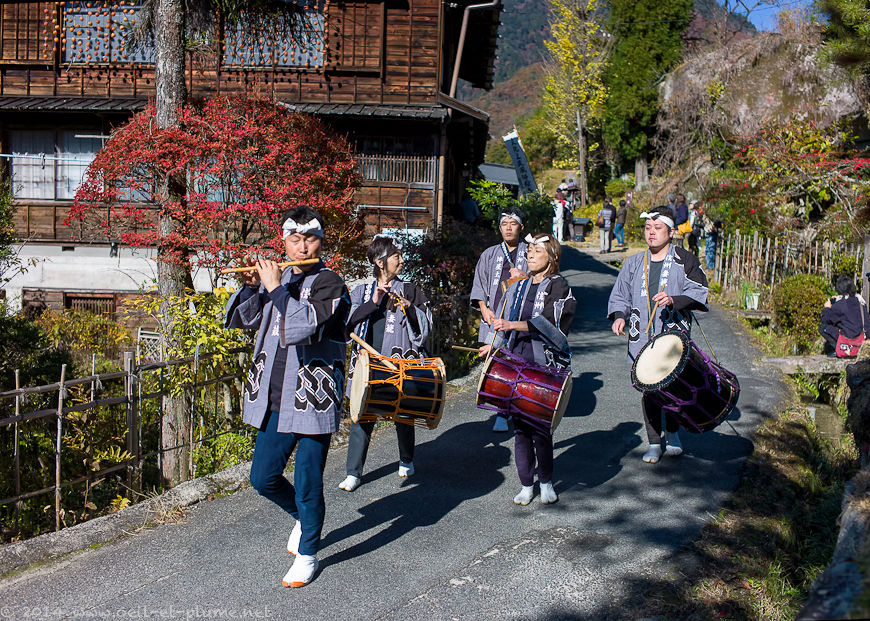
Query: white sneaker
(525, 495)
(406, 470)
(350, 483)
(674, 447)
(654, 454)
(548, 494)
(500, 424)
(302, 572)
(295, 536)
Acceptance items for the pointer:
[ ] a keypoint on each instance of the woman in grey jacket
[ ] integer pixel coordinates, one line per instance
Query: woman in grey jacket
(393, 316)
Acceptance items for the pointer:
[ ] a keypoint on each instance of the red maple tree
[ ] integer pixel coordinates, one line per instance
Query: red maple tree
(245, 161)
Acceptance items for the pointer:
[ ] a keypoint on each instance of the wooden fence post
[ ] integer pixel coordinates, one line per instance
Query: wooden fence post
(60, 395)
(17, 453)
(865, 269)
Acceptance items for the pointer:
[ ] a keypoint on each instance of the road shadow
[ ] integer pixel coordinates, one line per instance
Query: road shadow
(589, 459)
(462, 463)
(583, 400)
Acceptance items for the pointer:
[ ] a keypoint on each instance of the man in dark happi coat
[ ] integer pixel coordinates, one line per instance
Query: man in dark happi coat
(295, 387)
(661, 285)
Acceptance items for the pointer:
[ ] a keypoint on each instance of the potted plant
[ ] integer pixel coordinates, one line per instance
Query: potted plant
(749, 294)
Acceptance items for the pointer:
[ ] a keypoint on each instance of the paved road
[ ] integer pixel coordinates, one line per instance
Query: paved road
(447, 543)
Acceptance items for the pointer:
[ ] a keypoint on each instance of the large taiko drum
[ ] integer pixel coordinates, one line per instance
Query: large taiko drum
(411, 392)
(535, 393)
(672, 371)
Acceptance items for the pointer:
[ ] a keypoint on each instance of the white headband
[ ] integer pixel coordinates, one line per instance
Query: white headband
(537, 241)
(658, 216)
(290, 226)
(509, 216)
(397, 245)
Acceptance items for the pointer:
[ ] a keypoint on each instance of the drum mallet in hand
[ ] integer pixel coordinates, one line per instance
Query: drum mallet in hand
(374, 351)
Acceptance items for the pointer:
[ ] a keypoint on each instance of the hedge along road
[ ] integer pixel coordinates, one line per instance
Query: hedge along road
(447, 542)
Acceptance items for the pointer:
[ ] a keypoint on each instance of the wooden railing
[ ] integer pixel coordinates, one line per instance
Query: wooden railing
(65, 416)
(412, 169)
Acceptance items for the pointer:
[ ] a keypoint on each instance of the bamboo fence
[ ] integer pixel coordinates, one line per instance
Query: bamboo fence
(766, 261)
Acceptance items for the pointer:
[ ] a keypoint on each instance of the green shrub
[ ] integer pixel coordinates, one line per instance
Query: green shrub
(617, 188)
(493, 198)
(83, 333)
(797, 305)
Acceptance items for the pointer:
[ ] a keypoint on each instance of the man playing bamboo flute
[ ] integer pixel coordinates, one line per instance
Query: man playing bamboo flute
(660, 286)
(497, 265)
(294, 389)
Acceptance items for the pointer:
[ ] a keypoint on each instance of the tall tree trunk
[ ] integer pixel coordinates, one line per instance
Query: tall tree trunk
(169, 31)
(641, 173)
(581, 149)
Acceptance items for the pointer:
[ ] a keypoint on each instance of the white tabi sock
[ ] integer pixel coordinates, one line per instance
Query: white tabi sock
(302, 572)
(350, 483)
(653, 454)
(673, 447)
(548, 494)
(525, 495)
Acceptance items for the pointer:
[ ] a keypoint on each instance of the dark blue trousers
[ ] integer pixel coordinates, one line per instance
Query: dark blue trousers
(304, 502)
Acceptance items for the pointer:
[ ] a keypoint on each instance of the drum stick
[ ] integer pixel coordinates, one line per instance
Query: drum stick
(461, 348)
(374, 351)
(504, 288)
(250, 268)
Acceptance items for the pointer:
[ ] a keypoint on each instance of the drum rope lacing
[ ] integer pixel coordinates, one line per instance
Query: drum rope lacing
(399, 376)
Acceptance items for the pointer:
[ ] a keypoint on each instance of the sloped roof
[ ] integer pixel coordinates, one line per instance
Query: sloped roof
(478, 58)
(499, 173)
(84, 104)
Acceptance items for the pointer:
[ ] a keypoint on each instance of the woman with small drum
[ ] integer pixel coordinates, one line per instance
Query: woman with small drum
(392, 316)
(542, 308)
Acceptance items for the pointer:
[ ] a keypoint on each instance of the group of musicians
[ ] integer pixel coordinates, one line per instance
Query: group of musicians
(304, 314)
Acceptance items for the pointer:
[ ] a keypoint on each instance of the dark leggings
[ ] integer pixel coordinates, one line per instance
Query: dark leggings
(831, 333)
(531, 444)
(652, 418)
(361, 436)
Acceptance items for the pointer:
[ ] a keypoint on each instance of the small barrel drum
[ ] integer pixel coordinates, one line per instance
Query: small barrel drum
(676, 374)
(412, 392)
(535, 393)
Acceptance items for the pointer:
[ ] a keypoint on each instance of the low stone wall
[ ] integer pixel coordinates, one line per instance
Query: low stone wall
(839, 593)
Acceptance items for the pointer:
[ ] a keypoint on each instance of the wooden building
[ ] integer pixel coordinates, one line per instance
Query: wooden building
(382, 72)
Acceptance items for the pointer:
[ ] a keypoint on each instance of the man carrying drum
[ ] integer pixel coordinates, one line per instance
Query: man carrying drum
(656, 290)
(497, 265)
(394, 317)
(542, 308)
(294, 389)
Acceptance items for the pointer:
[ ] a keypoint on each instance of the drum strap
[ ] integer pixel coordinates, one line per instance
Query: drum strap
(710, 347)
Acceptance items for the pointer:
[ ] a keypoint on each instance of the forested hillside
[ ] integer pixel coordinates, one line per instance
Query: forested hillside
(525, 27)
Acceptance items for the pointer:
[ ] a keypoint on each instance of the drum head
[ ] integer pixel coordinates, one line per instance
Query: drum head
(359, 387)
(660, 360)
(562, 404)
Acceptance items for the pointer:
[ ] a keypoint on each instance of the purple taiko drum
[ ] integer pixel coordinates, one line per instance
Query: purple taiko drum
(535, 393)
(672, 371)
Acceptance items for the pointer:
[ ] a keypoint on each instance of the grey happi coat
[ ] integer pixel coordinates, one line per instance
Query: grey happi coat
(551, 319)
(487, 279)
(682, 278)
(400, 338)
(313, 330)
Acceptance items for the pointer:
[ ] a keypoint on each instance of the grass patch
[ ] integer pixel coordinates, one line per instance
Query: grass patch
(775, 535)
